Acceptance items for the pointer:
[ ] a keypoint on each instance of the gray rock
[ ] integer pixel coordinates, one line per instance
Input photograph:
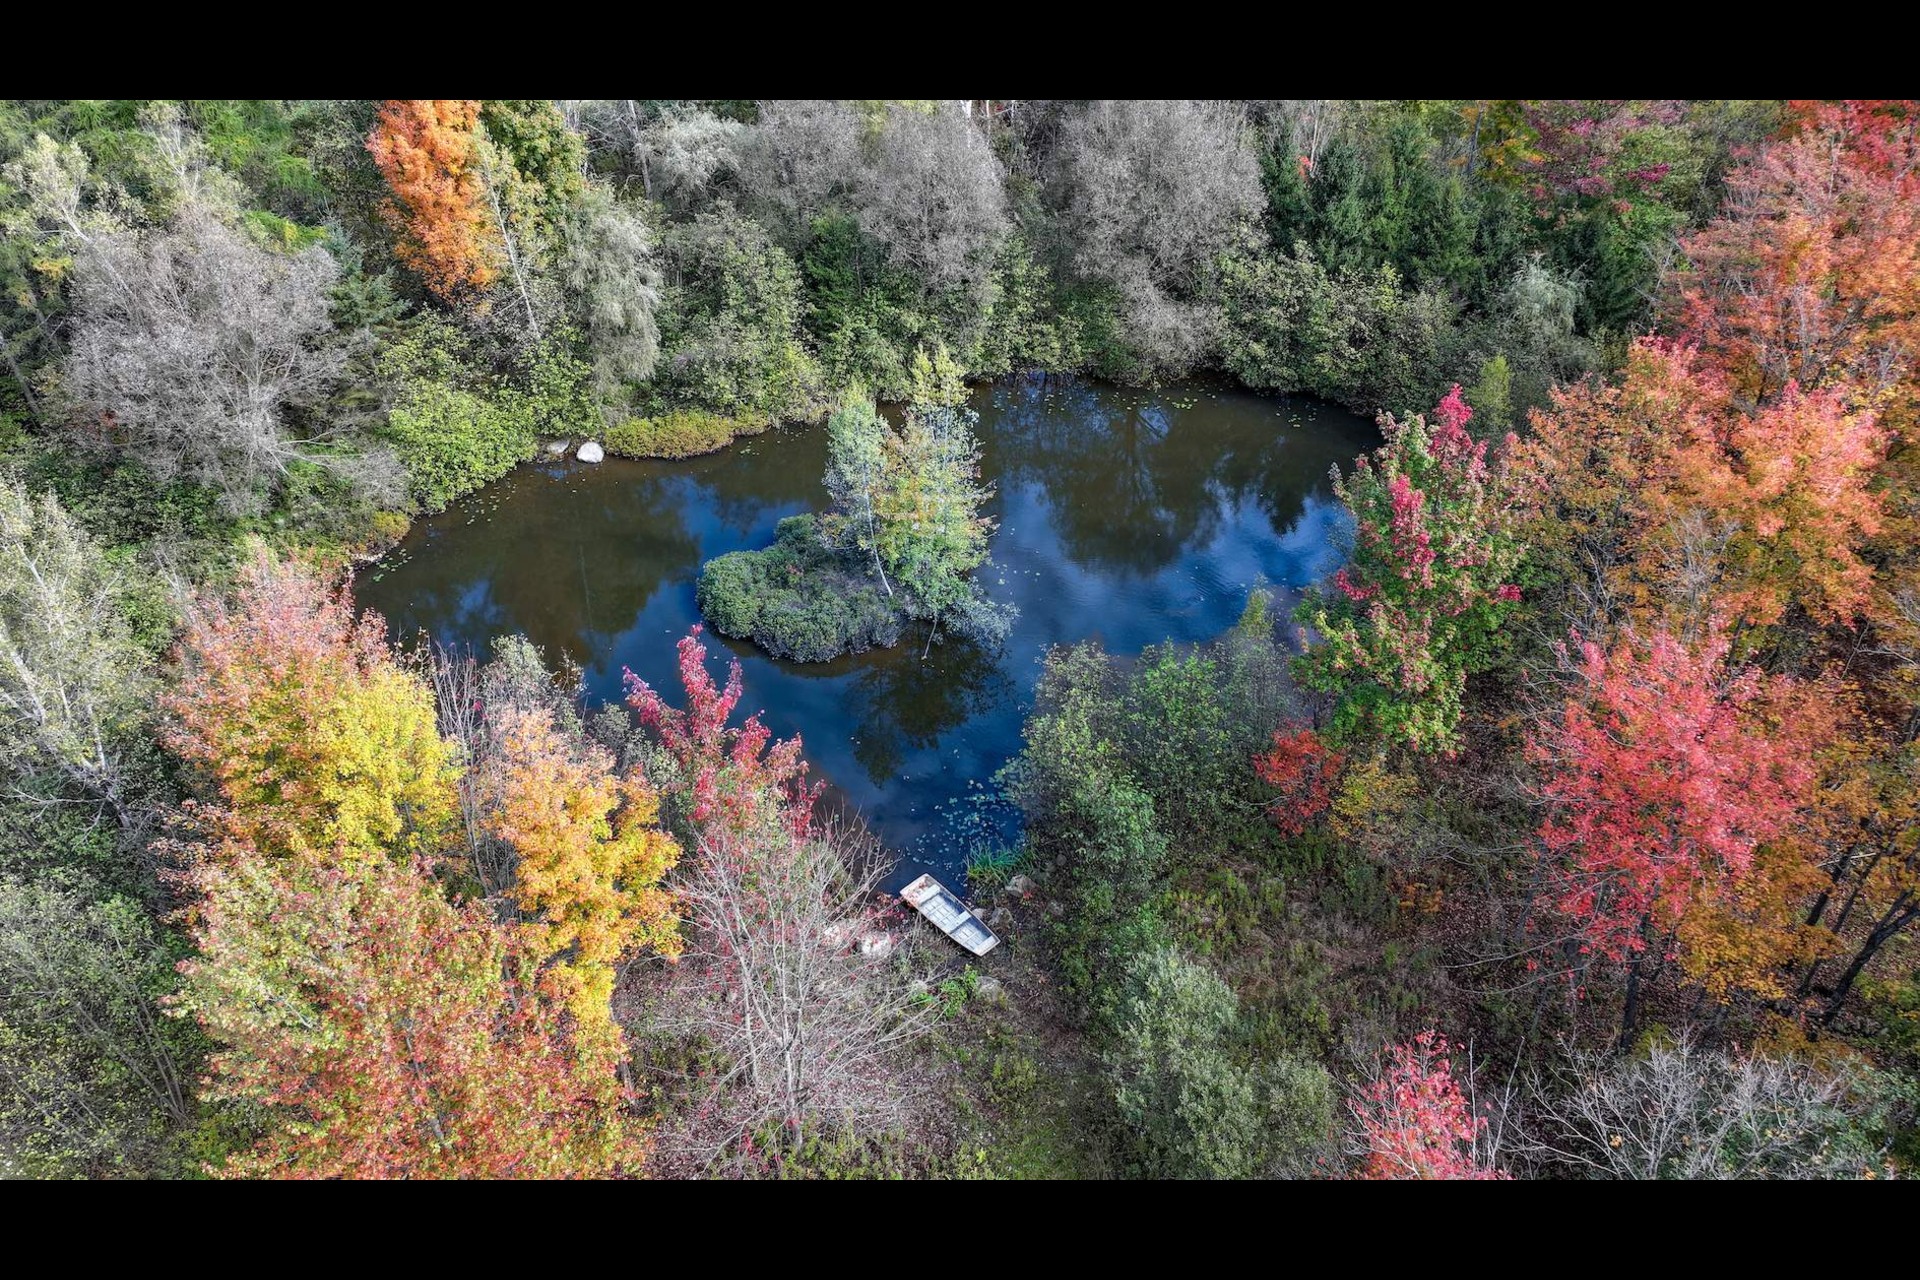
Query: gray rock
(999, 916)
(876, 946)
(1055, 909)
(558, 448)
(590, 452)
(1021, 885)
(992, 990)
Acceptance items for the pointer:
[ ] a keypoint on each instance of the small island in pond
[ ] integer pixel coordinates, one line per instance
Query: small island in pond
(901, 543)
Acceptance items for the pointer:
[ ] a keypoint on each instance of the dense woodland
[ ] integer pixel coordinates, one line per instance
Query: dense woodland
(1570, 830)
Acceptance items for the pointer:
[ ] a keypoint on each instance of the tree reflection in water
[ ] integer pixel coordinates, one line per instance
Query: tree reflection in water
(1136, 479)
(902, 703)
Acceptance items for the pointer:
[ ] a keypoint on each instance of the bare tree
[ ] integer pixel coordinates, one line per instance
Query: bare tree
(1684, 1112)
(1311, 122)
(680, 152)
(685, 152)
(1148, 192)
(801, 159)
(192, 345)
(785, 974)
(933, 196)
(461, 713)
(919, 178)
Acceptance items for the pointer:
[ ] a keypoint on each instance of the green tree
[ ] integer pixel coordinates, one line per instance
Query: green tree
(94, 1078)
(909, 500)
(1085, 813)
(1420, 603)
(730, 324)
(1192, 1109)
(1492, 395)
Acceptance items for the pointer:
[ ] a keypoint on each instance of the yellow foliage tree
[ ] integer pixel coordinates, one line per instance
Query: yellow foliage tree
(590, 856)
(308, 736)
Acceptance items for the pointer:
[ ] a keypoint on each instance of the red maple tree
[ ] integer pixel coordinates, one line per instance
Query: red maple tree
(1304, 769)
(1668, 784)
(1414, 1121)
(726, 775)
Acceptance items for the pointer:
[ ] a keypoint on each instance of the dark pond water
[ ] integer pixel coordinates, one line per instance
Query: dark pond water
(1132, 517)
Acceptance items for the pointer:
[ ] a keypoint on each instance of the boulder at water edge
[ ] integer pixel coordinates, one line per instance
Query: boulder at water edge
(590, 452)
(558, 448)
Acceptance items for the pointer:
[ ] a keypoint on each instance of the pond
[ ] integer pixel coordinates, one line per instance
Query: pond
(1131, 517)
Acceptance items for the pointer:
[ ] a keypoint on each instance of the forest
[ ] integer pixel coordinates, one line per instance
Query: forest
(1567, 826)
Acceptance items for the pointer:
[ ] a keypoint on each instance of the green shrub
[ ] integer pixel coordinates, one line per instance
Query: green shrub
(841, 1155)
(1361, 338)
(950, 995)
(456, 430)
(324, 513)
(1013, 1077)
(991, 866)
(1193, 1108)
(1217, 915)
(796, 599)
(453, 441)
(679, 433)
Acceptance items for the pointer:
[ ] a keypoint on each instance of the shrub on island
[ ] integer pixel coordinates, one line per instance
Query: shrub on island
(796, 599)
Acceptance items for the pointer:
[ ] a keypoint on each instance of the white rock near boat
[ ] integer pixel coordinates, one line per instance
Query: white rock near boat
(590, 452)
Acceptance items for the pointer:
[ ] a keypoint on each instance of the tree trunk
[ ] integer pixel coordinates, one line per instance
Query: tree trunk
(1630, 1015)
(506, 239)
(639, 148)
(26, 389)
(1896, 917)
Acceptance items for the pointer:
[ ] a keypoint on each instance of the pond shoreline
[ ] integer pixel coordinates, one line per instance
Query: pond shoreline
(1127, 516)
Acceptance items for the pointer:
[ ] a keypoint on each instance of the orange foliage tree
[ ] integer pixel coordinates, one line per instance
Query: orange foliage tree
(1811, 273)
(1871, 808)
(1810, 277)
(389, 1032)
(429, 153)
(1661, 494)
